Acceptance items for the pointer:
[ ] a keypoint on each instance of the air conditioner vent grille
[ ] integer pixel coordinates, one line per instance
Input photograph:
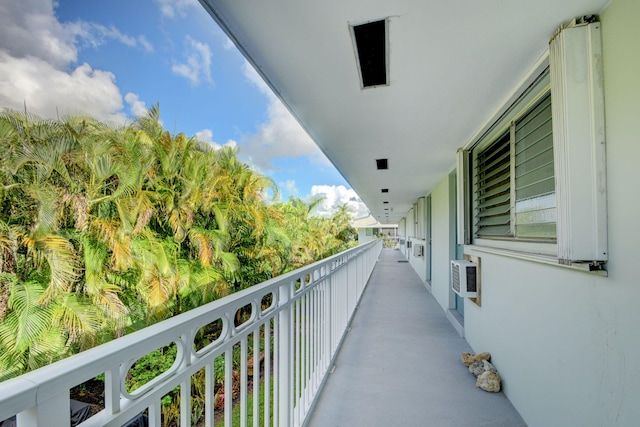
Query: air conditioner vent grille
(464, 278)
(455, 277)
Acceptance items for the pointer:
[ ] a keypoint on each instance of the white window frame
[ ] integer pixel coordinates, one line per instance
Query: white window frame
(568, 138)
(533, 95)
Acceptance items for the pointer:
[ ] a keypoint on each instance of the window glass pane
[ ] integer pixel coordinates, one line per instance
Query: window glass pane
(535, 185)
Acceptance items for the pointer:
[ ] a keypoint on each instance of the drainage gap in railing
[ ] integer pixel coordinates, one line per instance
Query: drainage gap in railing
(267, 302)
(150, 369)
(243, 315)
(209, 336)
(87, 399)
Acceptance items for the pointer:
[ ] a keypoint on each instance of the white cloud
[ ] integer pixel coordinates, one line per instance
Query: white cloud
(38, 67)
(290, 186)
(50, 92)
(29, 28)
(254, 78)
(173, 8)
(95, 35)
(281, 135)
(228, 43)
(206, 135)
(137, 107)
(146, 45)
(334, 196)
(198, 62)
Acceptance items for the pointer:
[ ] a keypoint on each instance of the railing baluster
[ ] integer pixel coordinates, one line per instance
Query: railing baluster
(285, 370)
(267, 373)
(185, 385)
(228, 387)
(185, 402)
(155, 414)
(112, 390)
(307, 347)
(209, 386)
(256, 376)
(243, 383)
(296, 360)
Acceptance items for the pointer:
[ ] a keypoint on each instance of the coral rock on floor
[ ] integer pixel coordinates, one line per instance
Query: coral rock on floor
(489, 381)
(477, 368)
(468, 359)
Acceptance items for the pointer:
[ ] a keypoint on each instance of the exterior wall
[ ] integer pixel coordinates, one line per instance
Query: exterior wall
(367, 234)
(419, 264)
(410, 223)
(442, 242)
(565, 341)
(402, 234)
(364, 236)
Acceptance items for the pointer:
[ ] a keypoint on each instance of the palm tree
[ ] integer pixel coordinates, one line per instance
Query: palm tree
(105, 229)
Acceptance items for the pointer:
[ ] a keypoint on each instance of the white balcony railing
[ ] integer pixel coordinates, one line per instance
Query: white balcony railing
(296, 337)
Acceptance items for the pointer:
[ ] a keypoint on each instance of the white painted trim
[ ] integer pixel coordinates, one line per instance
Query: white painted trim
(533, 257)
(541, 64)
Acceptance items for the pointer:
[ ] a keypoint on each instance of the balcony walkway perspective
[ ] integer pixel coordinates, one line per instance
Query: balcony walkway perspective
(400, 363)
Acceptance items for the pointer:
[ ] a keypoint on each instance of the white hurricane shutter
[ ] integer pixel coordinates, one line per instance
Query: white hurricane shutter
(575, 58)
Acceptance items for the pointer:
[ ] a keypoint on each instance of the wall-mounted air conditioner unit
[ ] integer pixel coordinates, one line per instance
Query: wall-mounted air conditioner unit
(464, 278)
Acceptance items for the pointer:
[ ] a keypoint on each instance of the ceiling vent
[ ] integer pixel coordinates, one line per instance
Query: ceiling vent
(370, 41)
(382, 164)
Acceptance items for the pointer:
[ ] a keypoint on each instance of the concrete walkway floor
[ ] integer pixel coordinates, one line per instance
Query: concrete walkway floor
(400, 365)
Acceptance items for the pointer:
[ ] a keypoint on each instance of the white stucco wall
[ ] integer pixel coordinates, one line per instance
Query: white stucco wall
(362, 236)
(442, 244)
(419, 264)
(567, 342)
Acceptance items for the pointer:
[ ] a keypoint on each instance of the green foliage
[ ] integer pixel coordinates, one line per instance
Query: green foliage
(235, 422)
(150, 366)
(106, 230)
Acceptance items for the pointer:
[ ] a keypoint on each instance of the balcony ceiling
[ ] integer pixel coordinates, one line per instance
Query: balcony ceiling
(451, 65)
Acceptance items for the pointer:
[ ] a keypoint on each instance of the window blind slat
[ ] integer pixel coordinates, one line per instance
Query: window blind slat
(497, 200)
(535, 205)
(495, 174)
(543, 159)
(494, 220)
(496, 231)
(494, 210)
(494, 154)
(493, 195)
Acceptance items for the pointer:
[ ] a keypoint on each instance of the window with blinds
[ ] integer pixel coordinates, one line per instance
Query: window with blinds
(514, 180)
(535, 204)
(493, 189)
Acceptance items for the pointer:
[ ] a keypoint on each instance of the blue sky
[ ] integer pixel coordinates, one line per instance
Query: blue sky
(113, 59)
